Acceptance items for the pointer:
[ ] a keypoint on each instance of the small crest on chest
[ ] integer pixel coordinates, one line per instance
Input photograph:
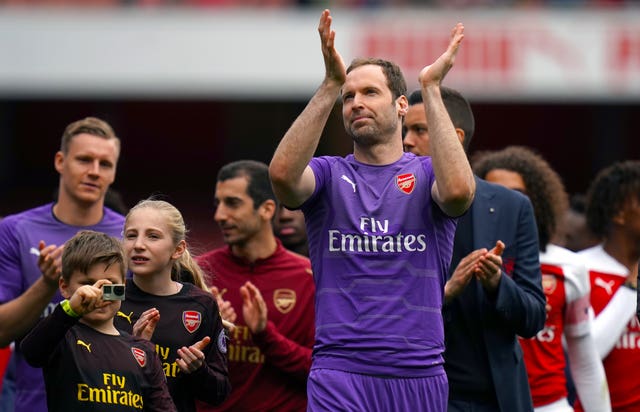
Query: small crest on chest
(406, 182)
(140, 356)
(284, 299)
(191, 320)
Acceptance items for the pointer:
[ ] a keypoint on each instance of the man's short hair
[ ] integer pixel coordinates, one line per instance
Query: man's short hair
(257, 174)
(89, 125)
(458, 108)
(393, 73)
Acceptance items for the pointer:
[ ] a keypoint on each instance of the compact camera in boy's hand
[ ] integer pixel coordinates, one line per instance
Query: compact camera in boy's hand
(113, 292)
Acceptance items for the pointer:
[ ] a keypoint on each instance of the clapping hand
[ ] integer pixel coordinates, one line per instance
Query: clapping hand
(489, 270)
(227, 312)
(146, 323)
(192, 358)
(254, 308)
(335, 69)
(50, 263)
(434, 74)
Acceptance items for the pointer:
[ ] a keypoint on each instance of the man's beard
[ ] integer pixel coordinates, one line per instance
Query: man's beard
(371, 135)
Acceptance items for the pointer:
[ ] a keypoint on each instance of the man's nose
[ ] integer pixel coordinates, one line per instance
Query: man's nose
(95, 167)
(357, 100)
(407, 141)
(219, 215)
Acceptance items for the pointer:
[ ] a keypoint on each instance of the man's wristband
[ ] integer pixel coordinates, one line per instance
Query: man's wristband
(631, 286)
(68, 309)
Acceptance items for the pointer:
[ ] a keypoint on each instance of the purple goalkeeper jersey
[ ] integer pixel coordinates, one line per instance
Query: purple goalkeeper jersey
(380, 248)
(19, 238)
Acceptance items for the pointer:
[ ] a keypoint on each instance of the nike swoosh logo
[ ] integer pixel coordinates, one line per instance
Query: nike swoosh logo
(34, 251)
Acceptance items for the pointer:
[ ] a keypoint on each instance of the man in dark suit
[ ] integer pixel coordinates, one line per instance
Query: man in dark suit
(483, 315)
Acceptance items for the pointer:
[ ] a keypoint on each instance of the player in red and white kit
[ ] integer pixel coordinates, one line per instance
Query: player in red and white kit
(565, 282)
(616, 328)
(613, 212)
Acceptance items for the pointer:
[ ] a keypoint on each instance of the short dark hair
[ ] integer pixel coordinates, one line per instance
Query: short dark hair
(393, 73)
(608, 193)
(89, 125)
(257, 173)
(458, 108)
(89, 248)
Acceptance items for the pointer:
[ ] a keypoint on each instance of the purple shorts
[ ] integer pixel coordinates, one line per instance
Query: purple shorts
(334, 390)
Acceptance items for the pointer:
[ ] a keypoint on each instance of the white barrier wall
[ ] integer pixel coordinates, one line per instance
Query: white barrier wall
(513, 55)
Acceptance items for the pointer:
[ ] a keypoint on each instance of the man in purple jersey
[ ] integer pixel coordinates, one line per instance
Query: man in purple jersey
(381, 224)
(86, 163)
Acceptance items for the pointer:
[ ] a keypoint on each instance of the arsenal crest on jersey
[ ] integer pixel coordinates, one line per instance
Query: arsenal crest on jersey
(284, 300)
(406, 182)
(191, 320)
(140, 356)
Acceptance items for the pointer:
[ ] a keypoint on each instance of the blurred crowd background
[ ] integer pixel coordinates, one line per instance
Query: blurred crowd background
(185, 100)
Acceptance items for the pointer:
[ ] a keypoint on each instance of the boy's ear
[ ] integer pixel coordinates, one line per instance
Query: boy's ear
(64, 288)
(182, 246)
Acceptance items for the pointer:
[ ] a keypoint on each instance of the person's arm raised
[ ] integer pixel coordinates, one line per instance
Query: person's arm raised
(293, 181)
(454, 187)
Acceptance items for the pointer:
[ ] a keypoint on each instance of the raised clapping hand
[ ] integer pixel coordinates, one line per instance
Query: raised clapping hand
(254, 308)
(335, 69)
(485, 265)
(462, 274)
(433, 74)
(146, 323)
(88, 298)
(192, 358)
(50, 263)
(489, 268)
(227, 312)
